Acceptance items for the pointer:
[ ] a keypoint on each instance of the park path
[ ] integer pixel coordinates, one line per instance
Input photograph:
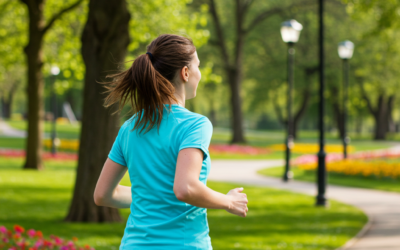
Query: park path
(8, 131)
(382, 232)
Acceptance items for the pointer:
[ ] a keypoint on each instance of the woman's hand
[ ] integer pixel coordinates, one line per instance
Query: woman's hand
(238, 202)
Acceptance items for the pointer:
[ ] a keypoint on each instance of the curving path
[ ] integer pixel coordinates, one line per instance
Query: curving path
(382, 232)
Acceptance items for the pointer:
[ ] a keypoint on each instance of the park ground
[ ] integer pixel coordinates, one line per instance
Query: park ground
(276, 219)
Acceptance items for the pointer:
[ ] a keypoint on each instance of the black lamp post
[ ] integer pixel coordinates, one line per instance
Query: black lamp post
(54, 72)
(345, 50)
(321, 172)
(290, 31)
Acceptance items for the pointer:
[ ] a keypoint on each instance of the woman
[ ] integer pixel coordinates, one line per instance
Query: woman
(165, 153)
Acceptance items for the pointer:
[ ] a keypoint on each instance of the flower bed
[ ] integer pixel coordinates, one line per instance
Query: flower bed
(369, 163)
(379, 169)
(17, 153)
(69, 144)
(237, 149)
(19, 239)
(305, 148)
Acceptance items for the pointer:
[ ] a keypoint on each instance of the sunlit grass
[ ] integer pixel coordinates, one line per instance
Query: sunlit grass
(276, 219)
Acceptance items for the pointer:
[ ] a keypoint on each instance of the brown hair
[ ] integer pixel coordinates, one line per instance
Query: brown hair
(149, 80)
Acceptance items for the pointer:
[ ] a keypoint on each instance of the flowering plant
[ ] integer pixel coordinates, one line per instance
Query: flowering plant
(307, 148)
(379, 169)
(237, 149)
(19, 239)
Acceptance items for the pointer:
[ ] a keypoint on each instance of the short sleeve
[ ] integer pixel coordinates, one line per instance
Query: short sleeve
(116, 154)
(198, 135)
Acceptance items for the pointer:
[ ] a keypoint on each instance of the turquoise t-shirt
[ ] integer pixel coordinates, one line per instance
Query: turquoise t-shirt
(158, 220)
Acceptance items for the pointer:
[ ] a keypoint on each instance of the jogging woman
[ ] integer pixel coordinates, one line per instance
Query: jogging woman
(164, 148)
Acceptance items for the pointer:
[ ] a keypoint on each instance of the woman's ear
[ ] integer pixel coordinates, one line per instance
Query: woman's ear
(184, 75)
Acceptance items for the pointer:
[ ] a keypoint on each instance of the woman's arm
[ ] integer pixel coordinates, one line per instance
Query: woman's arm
(188, 188)
(108, 192)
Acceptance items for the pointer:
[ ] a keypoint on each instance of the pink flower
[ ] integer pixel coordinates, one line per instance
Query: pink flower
(38, 243)
(3, 229)
(5, 240)
(31, 233)
(58, 240)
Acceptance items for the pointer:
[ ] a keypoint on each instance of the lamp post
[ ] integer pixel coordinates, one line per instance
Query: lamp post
(54, 72)
(290, 31)
(321, 172)
(345, 51)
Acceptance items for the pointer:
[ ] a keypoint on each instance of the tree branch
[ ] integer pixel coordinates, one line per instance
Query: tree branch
(59, 14)
(277, 10)
(218, 27)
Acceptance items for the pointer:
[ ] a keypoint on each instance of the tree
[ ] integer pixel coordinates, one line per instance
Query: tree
(377, 72)
(232, 53)
(34, 60)
(106, 34)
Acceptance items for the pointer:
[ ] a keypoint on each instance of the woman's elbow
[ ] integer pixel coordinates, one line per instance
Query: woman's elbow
(182, 193)
(98, 199)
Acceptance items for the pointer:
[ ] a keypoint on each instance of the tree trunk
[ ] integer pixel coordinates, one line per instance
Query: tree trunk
(213, 113)
(236, 104)
(381, 113)
(5, 108)
(33, 52)
(390, 121)
(106, 33)
(34, 59)
(301, 111)
(337, 110)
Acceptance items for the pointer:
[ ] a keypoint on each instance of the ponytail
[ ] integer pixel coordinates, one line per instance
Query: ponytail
(148, 83)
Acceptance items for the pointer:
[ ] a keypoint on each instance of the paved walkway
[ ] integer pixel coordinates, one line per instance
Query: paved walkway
(382, 208)
(8, 131)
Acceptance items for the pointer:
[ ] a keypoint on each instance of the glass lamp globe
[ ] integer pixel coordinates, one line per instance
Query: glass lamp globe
(55, 70)
(290, 31)
(345, 49)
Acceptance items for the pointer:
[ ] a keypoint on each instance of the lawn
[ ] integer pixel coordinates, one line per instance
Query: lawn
(276, 219)
(337, 179)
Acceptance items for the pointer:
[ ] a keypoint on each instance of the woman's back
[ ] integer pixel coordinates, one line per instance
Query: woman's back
(158, 218)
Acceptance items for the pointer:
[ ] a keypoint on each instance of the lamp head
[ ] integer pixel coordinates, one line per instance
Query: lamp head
(345, 49)
(290, 31)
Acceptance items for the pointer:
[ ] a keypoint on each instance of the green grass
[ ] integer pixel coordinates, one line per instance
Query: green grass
(276, 219)
(337, 179)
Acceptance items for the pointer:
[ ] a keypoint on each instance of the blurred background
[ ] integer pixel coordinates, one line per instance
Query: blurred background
(259, 88)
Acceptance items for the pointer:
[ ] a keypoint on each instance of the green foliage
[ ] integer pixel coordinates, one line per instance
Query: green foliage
(13, 37)
(152, 18)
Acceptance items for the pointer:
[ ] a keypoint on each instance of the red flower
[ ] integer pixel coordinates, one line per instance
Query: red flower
(16, 236)
(39, 234)
(19, 229)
